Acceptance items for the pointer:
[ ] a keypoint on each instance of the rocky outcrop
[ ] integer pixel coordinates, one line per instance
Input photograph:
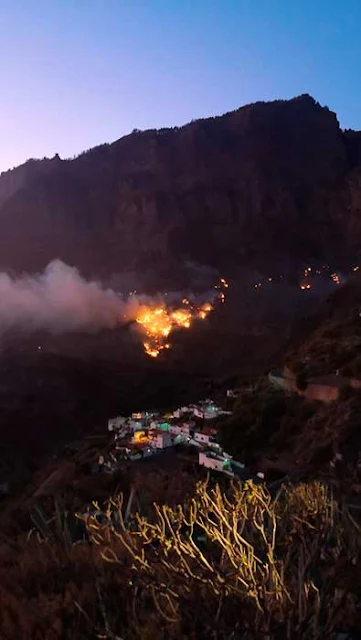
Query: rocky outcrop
(268, 185)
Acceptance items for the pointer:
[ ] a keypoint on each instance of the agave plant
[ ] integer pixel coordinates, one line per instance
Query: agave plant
(61, 528)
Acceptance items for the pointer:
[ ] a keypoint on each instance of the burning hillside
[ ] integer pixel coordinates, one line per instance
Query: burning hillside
(158, 322)
(60, 300)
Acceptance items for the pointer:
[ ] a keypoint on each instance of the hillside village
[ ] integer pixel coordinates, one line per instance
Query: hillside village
(146, 434)
(189, 432)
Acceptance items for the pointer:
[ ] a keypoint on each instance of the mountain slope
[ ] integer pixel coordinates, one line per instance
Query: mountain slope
(267, 185)
(329, 340)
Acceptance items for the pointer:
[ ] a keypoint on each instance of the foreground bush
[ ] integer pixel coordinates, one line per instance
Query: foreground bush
(241, 564)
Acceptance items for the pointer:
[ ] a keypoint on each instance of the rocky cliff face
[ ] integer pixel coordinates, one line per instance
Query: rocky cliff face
(268, 185)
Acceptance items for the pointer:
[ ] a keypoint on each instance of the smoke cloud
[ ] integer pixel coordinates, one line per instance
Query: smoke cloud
(60, 300)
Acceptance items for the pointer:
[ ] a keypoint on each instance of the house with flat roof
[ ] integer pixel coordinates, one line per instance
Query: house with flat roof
(159, 439)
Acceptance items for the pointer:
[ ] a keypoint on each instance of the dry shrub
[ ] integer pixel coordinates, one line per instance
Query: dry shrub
(38, 586)
(48, 593)
(242, 562)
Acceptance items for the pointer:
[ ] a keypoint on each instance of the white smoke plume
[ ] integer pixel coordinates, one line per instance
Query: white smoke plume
(60, 300)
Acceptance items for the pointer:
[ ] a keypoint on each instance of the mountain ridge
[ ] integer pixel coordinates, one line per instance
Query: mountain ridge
(268, 185)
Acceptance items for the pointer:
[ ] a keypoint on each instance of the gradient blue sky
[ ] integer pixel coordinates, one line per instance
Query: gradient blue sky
(77, 73)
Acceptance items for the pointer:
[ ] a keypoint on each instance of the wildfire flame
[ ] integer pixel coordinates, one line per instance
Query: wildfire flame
(158, 322)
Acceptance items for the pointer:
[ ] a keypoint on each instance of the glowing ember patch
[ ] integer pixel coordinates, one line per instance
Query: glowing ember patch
(204, 310)
(153, 353)
(159, 322)
(181, 318)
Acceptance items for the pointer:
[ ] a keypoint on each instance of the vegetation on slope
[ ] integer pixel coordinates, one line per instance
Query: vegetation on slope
(334, 346)
(264, 419)
(330, 339)
(237, 563)
(285, 434)
(270, 428)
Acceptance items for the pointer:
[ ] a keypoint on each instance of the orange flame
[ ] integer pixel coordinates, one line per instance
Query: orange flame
(158, 322)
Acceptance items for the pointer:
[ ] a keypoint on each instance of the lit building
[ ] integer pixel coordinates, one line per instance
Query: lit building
(160, 439)
(212, 460)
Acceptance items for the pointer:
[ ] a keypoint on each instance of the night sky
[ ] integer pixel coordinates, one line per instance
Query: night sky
(76, 73)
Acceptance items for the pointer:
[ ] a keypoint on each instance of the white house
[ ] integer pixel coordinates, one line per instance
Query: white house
(181, 411)
(135, 425)
(114, 424)
(181, 429)
(211, 413)
(160, 423)
(206, 436)
(207, 410)
(212, 460)
(214, 446)
(160, 439)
